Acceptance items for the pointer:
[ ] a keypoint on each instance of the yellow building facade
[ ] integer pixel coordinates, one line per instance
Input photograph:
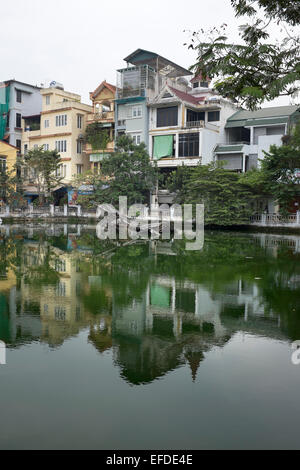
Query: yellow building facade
(8, 156)
(60, 126)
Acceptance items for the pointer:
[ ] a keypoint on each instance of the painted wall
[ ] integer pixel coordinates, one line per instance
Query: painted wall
(10, 153)
(49, 132)
(31, 105)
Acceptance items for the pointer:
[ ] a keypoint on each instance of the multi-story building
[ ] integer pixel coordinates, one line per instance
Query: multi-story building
(60, 126)
(103, 99)
(187, 120)
(249, 133)
(17, 100)
(137, 84)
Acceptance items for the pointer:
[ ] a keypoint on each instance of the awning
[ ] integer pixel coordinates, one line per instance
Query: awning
(98, 157)
(163, 146)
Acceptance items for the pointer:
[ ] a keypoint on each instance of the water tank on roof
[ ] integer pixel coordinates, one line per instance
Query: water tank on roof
(55, 84)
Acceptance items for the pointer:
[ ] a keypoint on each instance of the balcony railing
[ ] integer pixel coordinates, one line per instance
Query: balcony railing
(106, 115)
(194, 124)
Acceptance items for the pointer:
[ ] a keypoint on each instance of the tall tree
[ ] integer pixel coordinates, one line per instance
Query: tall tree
(127, 172)
(227, 200)
(11, 186)
(44, 165)
(262, 66)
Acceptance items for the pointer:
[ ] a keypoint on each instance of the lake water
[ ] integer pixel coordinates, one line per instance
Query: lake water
(148, 346)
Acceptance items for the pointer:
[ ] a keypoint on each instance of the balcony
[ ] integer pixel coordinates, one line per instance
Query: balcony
(109, 148)
(190, 124)
(106, 116)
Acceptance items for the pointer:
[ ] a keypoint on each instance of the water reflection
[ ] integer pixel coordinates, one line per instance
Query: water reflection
(154, 306)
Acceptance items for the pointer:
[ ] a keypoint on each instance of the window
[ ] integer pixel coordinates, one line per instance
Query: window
(136, 111)
(60, 290)
(189, 145)
(2, 165)
(61, 145)
(47, 123)
(213, 116)
(204, 84)
(35, 147)
(25, 149)
(167, 116)
(96, 168)
(79, 146)
(18, 144)
(61, 120)
(195, 84)
(18, 120)
(79, 169)
(19, 96)
(47, 99)
(194, 116)
(79, 121)
(46, 147)
(61, 171)
(60, 313)
(136, 139)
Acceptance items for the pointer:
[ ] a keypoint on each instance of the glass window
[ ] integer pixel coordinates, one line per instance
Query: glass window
(19, 96)
(46, 123)
(79, 169)
(136, 111)
(213, 116)
(136, 139)
(189, 145)
(79, 146)
(47, 99)
(18, 120)
(79, 121)
(167, 116)
(18, 144)
(195, 84)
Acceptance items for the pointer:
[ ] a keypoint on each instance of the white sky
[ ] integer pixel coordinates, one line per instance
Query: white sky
(82, 42)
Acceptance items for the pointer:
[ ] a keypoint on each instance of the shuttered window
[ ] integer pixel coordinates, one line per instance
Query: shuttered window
(167, 116)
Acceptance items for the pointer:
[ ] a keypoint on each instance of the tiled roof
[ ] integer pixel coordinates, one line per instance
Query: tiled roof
(111, 87)
(271, 112)
(185, 96)
(199, 78)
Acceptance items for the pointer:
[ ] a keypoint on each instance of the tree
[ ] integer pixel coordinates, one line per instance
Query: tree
(258, 69)
(227, 200)
(11, 186)
(44, 165)
(126, 172)
(96, 136)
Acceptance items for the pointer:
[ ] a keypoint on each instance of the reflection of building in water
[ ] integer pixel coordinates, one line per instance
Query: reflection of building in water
(179, 321)
(274, 242)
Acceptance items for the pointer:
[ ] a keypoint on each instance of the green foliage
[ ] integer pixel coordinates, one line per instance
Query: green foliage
(227, 200)
(11, 187)
(127, 172)
(96, 136)
(44, 164)
(258, 68)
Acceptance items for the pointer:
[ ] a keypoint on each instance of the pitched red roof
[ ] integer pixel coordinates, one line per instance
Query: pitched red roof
(200, 78)
(111, 87)
(186, 97)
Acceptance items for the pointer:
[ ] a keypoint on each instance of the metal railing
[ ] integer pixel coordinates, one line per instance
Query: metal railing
(275, 219)
(195, 124)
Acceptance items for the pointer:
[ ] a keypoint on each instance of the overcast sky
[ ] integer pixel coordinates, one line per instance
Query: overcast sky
(82, 42)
